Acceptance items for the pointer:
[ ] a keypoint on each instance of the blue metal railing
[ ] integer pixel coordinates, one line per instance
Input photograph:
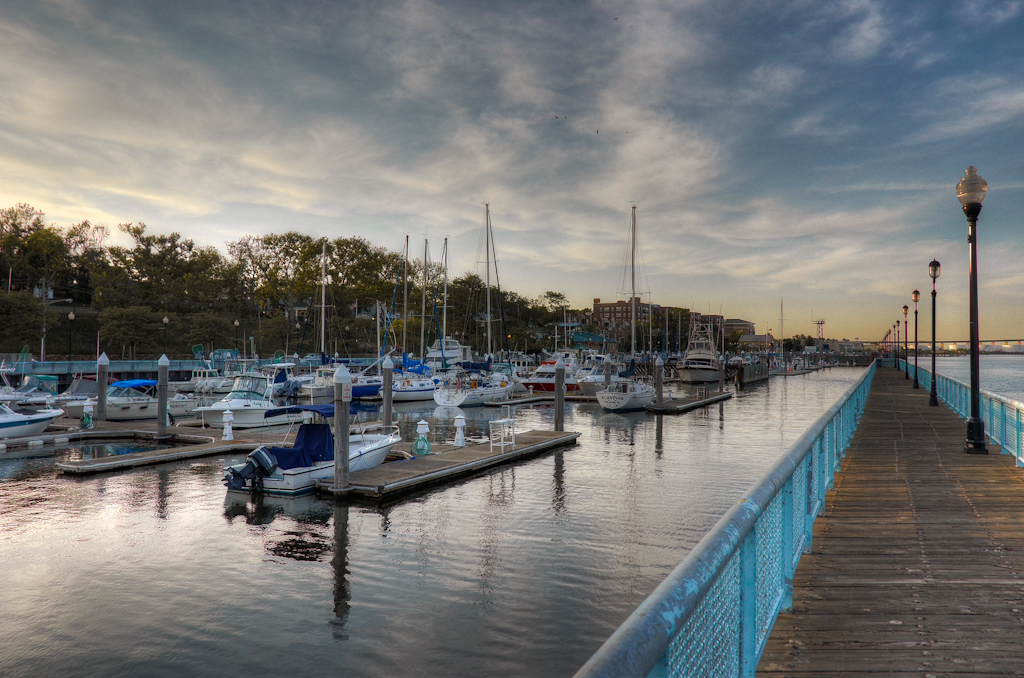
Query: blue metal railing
(1002, 416)
(713, 614)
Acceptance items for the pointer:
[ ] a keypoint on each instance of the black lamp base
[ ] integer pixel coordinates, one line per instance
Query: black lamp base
(975, 437)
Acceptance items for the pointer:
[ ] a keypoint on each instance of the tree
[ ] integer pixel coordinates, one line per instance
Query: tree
(128, 327)
(209, 328)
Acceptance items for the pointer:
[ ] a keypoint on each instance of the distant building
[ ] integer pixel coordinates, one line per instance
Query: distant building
(737, 325)
(757, 342)
(611, 315)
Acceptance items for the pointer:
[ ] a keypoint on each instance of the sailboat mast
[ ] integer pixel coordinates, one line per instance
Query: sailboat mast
(405, 298)
(423, 308)
(782, 329)
(487, 258)
(323, 300)
(444, 311)
(632, 279)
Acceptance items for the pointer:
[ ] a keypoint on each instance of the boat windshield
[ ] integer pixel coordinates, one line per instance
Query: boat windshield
(5, 410)
(124, 392)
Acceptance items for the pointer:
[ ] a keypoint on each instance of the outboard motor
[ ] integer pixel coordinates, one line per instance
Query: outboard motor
(260, 463)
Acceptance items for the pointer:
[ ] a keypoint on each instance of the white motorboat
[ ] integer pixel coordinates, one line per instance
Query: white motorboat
(453, 352)
(625, 396)
(472, 390)
(132, 399)
(321, 385)
(702, 362)
(16, 425)
(543, 378)
(296, 469)
(35, 389)
(591, 377)
(251, 396)
(202, 380)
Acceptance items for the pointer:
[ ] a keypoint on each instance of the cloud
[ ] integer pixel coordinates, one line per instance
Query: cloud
(964, 105)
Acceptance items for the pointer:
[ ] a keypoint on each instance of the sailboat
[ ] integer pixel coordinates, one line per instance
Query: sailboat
(623, 396)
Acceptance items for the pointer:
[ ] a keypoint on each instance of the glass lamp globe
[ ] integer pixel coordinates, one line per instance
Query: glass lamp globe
(934, 269)
(916, 296)
(905, 309)
(972, 188)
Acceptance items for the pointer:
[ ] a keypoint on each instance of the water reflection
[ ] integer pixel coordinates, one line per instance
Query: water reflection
(558, 486)
(339, 564)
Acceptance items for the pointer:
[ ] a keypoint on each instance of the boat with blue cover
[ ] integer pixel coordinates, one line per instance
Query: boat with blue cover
(295, 470)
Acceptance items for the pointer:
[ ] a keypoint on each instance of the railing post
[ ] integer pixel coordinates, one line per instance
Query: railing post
(1016, 436)
(788, 566)
(821, 476)
(748, 606)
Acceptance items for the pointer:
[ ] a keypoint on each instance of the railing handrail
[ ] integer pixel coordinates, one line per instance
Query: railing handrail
(988, 394)
(637, 646)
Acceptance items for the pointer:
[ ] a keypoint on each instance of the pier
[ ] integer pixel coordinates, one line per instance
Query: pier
(447, 462)
(680, 405)
(917, 562)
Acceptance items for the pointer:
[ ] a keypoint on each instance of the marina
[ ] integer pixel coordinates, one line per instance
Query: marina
(498, 560)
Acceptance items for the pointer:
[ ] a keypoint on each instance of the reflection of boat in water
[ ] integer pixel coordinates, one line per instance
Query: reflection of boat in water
(295, 469)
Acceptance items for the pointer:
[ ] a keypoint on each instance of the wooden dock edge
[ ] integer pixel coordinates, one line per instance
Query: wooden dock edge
(152, 457)
(687, 405)
(433, 478)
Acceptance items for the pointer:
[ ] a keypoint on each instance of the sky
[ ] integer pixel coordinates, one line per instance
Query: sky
(805, 151)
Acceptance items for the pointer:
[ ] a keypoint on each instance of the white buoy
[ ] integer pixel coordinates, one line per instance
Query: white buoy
(421, 446)
(35, 443)
(3, 446)
(61, 441)
(460, 434)
(229, 417)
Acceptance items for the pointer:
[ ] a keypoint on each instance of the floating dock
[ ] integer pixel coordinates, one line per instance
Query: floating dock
(445, 463)
(134, 459)
(545, 397)
(680, 405)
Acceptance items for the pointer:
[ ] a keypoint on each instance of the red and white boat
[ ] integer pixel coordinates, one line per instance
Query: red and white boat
(543, 378)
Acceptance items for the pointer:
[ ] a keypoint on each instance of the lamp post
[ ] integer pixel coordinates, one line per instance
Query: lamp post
(970, 191)
(236, 335)
(71, 316)
(906, 337)
(897, 362)
(916, 296)
(934, 269)
(166, 321)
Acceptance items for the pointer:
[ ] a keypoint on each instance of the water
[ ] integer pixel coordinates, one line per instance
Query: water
(525, 570)
(1001, 374)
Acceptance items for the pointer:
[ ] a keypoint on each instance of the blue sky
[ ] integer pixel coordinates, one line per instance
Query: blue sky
(802, 150)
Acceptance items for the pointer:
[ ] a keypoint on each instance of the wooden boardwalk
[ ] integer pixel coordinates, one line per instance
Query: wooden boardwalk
(918, 562)
(446, 463)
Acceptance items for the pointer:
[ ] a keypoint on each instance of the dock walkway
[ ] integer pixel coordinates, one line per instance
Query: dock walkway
(445, 463)
(917, 562)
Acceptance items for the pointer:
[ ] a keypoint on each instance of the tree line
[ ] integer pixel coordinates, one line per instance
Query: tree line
(163, 293)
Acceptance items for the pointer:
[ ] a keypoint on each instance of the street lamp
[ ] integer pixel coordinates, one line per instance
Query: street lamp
(916, 296)
(934, 270)
(166, 321)
(897, 361)
(906, 336)
(71, 316)
(236, 335)
(970, 191)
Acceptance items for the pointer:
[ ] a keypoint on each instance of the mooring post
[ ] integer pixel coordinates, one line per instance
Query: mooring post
(342, 398)
(659, 379)
(559, 395)
(388, 389)
(102, 365)
(163, 367)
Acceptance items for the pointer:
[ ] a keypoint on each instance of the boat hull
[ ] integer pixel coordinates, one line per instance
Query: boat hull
(365, 452)
(692, 375)
(22, 426)
(624, 402)
(245, 416)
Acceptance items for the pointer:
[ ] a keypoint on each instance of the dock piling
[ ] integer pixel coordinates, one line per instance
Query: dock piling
(102, 365)
(388, 389)
(559, 395)
(659, 380)
(342, 398)
(163, 367)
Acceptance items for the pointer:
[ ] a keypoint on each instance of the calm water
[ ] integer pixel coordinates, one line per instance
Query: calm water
(523, 571)
(999, 374)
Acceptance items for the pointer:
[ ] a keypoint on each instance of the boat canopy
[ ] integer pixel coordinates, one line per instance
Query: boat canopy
(134, 383)
(314, 443)
(325, 410)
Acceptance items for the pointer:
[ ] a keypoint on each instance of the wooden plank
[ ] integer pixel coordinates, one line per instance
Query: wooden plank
(918, 561)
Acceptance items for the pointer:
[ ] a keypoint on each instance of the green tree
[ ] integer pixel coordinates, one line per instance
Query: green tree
(127, 328)
(209, 328)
